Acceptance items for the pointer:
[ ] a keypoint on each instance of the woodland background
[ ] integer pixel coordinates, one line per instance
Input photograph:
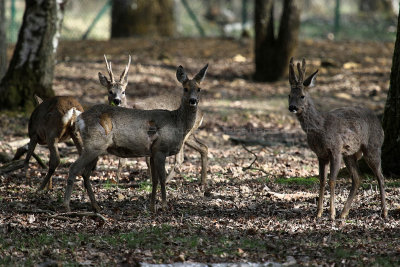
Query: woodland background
(260, 202)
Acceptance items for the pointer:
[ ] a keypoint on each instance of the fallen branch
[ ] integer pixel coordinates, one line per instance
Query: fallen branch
(254, 160)
(22, 150)
(12, 166)
(78, 214)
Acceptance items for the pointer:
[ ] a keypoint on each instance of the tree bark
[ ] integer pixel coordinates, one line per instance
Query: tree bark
(32, 64)
(391, 116)
(272, 53)
(3, 40)
(131, 18)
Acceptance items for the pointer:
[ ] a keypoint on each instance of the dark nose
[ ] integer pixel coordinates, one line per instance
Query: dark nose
(117, 101)
(193, 101)
(292, 108)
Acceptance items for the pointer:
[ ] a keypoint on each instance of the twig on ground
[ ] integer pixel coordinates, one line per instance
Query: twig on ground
(78, 214)
(254, 160)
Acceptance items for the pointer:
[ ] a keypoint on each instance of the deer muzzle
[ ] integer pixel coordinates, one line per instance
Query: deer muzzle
(193, 102)
(293, 109)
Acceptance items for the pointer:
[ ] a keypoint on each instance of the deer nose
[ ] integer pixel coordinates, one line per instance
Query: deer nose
(293, 108)
(193, 101)
(117, 101)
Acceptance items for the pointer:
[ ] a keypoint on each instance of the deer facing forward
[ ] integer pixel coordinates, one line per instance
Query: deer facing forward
(347, 133)
(128, 132)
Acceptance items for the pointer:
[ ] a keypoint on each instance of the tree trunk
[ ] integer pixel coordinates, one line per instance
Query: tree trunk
(142, 18)
(32, 64)
(3, 40)
(272, 53)
(391, 115)
(381, 6)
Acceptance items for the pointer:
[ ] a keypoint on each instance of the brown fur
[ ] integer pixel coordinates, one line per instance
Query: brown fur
(106, 123)
(46, 127)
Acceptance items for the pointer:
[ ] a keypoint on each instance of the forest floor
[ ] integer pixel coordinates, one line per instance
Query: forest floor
(261, 211)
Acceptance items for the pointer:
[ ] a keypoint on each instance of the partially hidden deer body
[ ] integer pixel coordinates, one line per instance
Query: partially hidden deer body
(346, 133)
(51, 122)
(126, 132)
(117, 97)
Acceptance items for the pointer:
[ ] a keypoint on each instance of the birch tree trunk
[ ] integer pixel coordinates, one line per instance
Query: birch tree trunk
(32, 64)
(391, 116)
(3, 40)
(272, 53)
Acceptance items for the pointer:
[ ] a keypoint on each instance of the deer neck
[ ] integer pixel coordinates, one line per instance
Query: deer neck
(311, 120)
(186, 115)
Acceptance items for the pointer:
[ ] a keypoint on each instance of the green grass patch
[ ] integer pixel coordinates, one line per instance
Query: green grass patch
(302, 181)
(145, 186)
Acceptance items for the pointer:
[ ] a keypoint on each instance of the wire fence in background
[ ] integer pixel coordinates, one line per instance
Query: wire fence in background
(91, 19)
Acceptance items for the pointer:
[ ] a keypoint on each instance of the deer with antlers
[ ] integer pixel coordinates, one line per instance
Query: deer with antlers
(128, 132)
(346, 133)
(117, 97)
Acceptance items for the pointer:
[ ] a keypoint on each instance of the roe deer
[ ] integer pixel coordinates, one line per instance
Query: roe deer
(126, 132)
(117, 97)
(51, 122)
(347, 133)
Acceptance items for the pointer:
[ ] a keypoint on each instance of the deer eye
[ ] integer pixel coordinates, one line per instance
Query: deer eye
(302, 97)
(186, 89)
(123, 92)
(198, 89)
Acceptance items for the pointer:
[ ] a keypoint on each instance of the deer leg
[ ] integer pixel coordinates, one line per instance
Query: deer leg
(351, 164)
(53, 164)
(77, 141)
(159, 162)
(323, 173)
(148, 166)
(121, 163)
(334, 168)
(86, 180)
(154, 180)
(76, 169)
(178, 159)
(31, 148)
(192, 142)
(373, 159)
(20, 151)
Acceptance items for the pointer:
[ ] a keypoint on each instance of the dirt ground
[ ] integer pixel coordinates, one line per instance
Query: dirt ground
(263, 213)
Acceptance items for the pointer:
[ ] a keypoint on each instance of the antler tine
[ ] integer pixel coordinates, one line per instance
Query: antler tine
(301, 74)
(125, 72)
(109, 69)
(292, 74)
(303, 66)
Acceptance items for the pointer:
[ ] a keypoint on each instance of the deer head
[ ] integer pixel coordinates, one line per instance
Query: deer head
(116, 89)
(299, 96)
(191, 87)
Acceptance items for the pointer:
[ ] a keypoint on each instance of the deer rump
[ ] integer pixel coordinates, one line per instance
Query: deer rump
(112, 129)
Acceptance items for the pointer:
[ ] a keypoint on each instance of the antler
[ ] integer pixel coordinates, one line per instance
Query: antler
(292, 74)
(125, 72)
(302, 70)
(109, 70)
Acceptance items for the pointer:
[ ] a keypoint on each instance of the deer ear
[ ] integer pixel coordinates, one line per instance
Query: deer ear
(103, 80)
(202, 73)
(181, 75)
(38, 99)
(310, 81)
